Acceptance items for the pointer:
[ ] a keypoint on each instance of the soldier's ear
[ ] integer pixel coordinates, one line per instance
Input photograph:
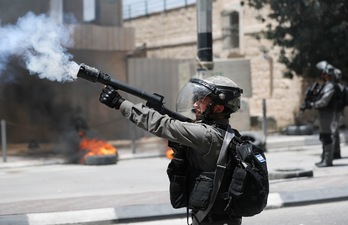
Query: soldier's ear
(218, 108)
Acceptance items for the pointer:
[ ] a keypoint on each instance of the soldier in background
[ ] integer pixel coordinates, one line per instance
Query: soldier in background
(340, 109)
(327, 106)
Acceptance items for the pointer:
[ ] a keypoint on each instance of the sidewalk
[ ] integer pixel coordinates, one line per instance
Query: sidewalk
(286, 157)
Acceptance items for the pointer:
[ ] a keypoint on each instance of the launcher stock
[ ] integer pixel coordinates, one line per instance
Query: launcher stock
(154, 101)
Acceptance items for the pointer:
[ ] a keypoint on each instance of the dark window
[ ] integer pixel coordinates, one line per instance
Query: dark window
(230, 29)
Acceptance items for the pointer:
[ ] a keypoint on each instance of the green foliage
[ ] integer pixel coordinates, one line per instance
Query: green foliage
(307, 31)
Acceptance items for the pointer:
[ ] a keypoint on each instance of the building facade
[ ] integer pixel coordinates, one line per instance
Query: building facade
(173, 34)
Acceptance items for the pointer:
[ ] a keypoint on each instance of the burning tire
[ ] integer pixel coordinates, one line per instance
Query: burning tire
(101, 159)
(97, 152)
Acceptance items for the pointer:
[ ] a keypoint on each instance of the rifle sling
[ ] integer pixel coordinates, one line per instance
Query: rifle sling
(219, 174)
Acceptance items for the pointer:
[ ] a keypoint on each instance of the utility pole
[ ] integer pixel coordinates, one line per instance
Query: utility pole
(204, 37)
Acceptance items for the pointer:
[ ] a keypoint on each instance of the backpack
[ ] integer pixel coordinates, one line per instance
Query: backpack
(249, 187)
(342, 96)
(241, 179)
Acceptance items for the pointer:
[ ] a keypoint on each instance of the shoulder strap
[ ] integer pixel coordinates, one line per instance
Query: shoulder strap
(219, 174)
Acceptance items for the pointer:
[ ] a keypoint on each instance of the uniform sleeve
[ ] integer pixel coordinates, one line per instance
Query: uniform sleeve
(194, 135)
(327, 92)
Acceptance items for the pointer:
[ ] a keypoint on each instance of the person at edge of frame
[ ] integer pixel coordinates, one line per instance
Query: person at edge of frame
(327, 106)
(209, 102)
(336, 134)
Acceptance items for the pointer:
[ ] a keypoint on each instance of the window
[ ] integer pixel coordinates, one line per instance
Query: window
(230, 29)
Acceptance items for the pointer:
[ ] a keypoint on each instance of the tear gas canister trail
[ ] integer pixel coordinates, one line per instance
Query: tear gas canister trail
(41, 43)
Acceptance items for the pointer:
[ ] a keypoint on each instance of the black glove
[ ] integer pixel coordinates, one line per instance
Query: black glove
(111, 97)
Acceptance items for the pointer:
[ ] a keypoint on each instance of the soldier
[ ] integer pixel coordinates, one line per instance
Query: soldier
(336, 132)
(326, 104)
(210, 103)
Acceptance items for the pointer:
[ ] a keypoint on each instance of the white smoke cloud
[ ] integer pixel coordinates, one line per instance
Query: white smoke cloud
(41, 42)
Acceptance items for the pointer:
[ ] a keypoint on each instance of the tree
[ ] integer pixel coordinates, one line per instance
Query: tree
(307, 32)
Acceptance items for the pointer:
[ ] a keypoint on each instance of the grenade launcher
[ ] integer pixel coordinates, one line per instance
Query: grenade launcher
(154, 101)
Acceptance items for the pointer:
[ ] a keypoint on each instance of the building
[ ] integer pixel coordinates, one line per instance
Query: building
(172, 34)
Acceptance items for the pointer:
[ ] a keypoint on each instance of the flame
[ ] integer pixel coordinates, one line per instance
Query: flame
(170, 153)
(96, 147)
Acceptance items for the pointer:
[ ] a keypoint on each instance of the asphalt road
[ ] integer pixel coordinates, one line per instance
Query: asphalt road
(138, 188)
(65, 181)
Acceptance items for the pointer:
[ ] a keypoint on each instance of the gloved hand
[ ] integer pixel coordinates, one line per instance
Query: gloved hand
(111, 97)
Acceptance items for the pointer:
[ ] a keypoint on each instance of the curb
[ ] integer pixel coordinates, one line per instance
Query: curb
(150, 212)
(28, 163)
(289, 173)
(285, 199)
(289, 142)
(55, 161)
(95, 216)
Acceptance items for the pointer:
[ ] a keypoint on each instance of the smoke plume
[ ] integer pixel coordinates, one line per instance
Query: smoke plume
(41, 43)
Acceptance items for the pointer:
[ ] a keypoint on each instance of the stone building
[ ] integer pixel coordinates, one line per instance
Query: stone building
(172, 34)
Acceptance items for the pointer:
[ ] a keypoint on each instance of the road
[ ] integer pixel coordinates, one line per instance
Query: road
(138, 188)
(334, 213)
(70, 181)
(127, 176)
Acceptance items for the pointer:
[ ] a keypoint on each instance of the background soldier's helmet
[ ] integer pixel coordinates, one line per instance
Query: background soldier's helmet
(222, 90)
(338, 74)
(325, 68)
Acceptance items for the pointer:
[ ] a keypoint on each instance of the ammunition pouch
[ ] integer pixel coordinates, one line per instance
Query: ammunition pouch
(178, 184)
(201, 192)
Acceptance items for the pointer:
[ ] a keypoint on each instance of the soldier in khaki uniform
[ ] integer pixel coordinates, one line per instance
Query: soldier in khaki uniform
(326, 104)
(209, 103)
(340, 112)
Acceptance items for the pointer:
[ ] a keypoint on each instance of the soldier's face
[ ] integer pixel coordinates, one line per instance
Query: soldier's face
(201, 105)
(326, 77)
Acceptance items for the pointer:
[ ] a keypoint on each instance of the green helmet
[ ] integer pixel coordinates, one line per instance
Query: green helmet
(222, 90)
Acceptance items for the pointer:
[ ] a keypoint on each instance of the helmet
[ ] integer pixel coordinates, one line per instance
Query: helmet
(222, 90)
(325, 67)
(337, 73)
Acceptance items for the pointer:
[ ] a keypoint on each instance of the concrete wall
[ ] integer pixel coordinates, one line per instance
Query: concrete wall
(105, 38)
(11, 10)
(109, 12)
